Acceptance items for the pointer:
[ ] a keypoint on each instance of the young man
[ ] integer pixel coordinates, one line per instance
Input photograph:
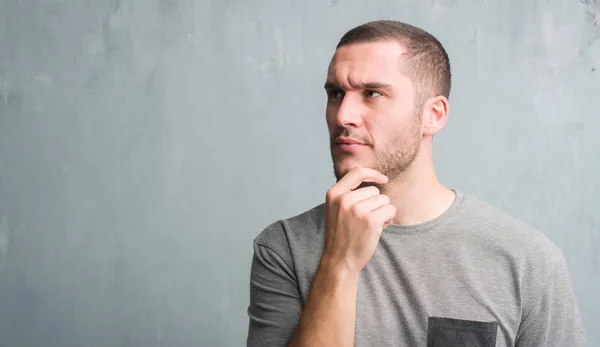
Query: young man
(393, 257)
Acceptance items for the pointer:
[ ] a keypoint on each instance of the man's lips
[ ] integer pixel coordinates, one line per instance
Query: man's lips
(348, 141)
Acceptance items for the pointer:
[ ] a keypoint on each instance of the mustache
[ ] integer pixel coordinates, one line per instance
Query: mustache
(345, 132)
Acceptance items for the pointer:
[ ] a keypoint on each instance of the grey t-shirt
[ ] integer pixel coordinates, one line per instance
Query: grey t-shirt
(474, 276)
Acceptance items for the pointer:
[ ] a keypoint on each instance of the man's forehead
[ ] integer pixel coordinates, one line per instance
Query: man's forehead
(378, 52)
(367, 62)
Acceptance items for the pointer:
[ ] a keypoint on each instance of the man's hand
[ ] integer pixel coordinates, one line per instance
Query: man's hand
(355, 219)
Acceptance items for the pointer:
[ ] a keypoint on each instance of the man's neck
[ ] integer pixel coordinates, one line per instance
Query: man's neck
(418, 198)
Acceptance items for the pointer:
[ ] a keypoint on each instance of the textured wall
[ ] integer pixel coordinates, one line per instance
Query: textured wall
(143, 145)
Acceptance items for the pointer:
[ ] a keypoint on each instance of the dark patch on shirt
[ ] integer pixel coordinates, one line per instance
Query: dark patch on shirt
(451, 332)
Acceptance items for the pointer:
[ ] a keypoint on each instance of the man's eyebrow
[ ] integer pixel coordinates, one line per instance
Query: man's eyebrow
(359, 85)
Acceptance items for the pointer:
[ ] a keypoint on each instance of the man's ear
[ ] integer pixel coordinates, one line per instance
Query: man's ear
(435, 114)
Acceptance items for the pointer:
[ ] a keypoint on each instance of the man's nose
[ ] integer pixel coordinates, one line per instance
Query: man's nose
(349, 112)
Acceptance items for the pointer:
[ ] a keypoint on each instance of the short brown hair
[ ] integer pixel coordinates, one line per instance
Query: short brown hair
(428, 65)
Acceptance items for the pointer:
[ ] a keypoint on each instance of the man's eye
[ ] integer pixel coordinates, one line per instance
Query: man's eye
(372, 94)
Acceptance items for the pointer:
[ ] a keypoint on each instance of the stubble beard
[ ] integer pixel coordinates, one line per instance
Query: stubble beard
(395, 160)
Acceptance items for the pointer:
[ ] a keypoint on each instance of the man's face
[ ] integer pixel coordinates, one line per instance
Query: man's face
(371, 102)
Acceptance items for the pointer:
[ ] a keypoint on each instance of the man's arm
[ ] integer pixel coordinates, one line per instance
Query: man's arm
(329, 314)
(355, 219)
(276, 306)
(554, 318)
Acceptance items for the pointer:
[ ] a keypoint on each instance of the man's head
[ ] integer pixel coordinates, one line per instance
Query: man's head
(387, 87)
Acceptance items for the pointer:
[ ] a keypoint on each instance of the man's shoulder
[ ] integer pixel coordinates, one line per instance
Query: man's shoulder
(506, 231)
(297, 228)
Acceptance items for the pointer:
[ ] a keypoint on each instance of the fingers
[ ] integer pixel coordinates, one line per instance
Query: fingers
(371, 204)
(354, 178)
(351, 198)
(384, 215)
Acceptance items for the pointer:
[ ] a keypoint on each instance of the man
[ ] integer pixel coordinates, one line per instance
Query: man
(393, 257)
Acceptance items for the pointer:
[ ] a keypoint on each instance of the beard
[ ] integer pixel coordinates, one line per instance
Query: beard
(393, 160)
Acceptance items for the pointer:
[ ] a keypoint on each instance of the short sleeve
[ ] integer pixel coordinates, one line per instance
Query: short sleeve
(554, 318)
(275, 301)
